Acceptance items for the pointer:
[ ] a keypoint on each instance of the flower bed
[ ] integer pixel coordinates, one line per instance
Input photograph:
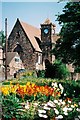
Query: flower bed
(33, 101)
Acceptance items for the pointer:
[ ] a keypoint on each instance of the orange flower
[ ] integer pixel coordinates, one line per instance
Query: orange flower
(68, 99)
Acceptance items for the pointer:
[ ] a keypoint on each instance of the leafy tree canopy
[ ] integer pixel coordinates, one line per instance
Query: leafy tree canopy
(70, 0)
(67, 47)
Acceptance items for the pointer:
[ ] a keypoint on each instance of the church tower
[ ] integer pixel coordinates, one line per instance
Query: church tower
(47, 32)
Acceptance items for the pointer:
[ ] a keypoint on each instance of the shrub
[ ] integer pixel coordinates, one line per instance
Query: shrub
(41, 73)
(77, 69)
(57, 70)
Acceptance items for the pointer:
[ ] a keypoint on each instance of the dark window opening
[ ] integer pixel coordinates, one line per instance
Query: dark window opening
(16, 59)
(18, 49)
(38, 41)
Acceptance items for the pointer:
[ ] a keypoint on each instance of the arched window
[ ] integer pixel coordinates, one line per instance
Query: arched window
(18, 49)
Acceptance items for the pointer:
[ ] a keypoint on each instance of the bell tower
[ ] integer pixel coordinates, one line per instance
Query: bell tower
(47, 32)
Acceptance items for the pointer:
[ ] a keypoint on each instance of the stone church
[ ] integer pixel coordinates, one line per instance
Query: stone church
(33, 45)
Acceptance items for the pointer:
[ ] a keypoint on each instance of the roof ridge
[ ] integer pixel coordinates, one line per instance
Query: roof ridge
(29, 24)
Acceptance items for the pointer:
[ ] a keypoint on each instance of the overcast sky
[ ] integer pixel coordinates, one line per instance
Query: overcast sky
(33, 13)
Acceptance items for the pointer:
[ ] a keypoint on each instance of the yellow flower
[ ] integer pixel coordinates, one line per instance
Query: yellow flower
(75, 105)
(10, 82)
(33, 84)
(28, 84)
(5, 90)
(13, 89)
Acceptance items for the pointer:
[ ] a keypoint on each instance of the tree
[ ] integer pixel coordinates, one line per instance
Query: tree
(2, 38)
(67, 47)
(70, 0)
(61, 71)
(56, 70)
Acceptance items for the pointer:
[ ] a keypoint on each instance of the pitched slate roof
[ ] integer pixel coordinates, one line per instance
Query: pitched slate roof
(10, 56)
(32, 32)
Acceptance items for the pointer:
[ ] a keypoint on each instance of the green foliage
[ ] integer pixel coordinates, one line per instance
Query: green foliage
(2, 38)
(38, 81)
(61, 71)
(71, 88)
(41, 73)
(11, 107)
(77, 69)
(68, 46)
(26, 73)
(58, 70)
(30, 113)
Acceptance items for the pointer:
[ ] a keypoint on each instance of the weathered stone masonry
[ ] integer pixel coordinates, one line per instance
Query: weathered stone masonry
(18, 40)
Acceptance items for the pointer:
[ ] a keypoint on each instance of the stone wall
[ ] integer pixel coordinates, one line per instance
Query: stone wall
(18, 37)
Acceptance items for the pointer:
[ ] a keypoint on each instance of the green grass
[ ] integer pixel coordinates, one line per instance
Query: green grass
(40, 81)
